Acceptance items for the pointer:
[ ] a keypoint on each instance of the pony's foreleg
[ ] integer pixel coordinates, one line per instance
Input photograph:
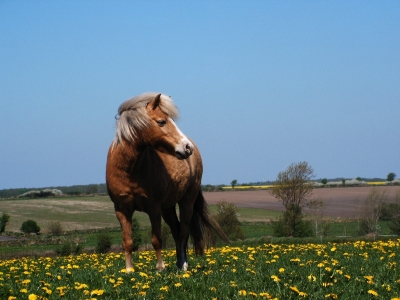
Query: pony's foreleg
(156, 240)
(170, 217)
(186, 212)
(125, 219)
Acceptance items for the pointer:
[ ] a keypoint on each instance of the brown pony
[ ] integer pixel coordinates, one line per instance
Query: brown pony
(151, 167)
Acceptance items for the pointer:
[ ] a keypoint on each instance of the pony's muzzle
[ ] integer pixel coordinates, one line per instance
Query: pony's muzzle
(185, 152)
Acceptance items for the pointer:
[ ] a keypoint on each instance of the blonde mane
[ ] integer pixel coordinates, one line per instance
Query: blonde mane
(132, 115)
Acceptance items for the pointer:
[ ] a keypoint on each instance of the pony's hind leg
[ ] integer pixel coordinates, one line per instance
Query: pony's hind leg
(125, 219)
(155, 220)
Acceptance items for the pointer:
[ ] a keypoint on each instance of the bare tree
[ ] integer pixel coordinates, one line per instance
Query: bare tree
(371, 210)
(317, 207)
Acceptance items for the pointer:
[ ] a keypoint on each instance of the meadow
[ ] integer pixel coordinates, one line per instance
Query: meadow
(356, 270)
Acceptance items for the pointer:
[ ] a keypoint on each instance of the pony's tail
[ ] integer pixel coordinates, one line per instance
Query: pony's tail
(203, 226)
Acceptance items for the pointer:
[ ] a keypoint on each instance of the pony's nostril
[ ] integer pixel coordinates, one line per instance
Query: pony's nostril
(188, 149)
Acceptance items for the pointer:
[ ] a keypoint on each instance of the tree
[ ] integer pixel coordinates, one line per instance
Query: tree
(324, 181)
(391, 176)
(3, 222)
(92, 189)
(233, 183)
(30, 226)
(227, 218)
(293, 187)
(371, 210)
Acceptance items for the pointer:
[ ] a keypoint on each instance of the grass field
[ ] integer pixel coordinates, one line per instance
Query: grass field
(79, 213)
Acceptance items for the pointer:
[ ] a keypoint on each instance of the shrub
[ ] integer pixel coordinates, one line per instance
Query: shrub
(55, 228)
(69, 248)
(291, 223)
(227, 219)
(3, 222)
(104, 243)
(136, 234)
(30, 226)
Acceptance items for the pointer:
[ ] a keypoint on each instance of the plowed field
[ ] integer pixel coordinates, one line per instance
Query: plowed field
(340, 202)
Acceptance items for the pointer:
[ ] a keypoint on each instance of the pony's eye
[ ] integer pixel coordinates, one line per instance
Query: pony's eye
(161, 123)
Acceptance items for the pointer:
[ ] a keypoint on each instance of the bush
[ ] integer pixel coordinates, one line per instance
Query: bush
(30, 226)
(104, 243)
(136, 234)
(69, 248)
(3, 222)
(291, 223)
(227, 219)
(55, 228)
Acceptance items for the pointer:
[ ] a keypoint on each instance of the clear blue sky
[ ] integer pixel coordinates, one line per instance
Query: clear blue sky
(259, 85)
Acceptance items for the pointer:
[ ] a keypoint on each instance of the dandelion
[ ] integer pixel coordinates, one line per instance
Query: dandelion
(281, 270)
(164, 288)
(372, 292)
(32, 297)
(186, 275)
(213, 288)
(178, 284)
(97, 292)
(242, 293)
(275, 278)
(311, 278)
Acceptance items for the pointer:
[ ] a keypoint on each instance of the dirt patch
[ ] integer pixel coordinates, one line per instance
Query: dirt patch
(340, 202)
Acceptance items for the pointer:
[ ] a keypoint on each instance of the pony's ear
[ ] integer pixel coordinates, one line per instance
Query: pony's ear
(156, 102)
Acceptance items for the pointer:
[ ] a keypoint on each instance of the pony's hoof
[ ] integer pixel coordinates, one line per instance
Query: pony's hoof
(185, 267)
(160, 267)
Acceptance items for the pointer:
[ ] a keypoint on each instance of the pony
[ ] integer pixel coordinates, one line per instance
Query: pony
(153, 167)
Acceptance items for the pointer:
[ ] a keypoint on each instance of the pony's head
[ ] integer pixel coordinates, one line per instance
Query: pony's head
(148, 119)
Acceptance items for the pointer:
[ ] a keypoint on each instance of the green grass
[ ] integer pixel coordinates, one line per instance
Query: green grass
(356, 270)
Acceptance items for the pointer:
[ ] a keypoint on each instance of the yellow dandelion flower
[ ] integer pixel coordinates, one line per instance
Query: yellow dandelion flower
(265, 295)
(186, 275)
(97, 292)
(32, 297)
(24, 291)
(295, 289)
(242, 293)
(12, 298)
(178, 284)
(253, 294)
(143, 274)
(332, 296)
(164, 288)
(372, 292)
(275, 278)
(281, 270)
(213, 288)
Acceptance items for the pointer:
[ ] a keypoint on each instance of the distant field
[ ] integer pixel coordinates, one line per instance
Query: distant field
(79, 213)
(98, 212)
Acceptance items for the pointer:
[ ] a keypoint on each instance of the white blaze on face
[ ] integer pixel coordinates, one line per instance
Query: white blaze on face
(185, 148)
